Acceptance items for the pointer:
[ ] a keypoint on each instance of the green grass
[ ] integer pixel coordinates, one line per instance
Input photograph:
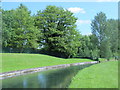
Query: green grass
(15, 61)
(102, 59)
(103, 75)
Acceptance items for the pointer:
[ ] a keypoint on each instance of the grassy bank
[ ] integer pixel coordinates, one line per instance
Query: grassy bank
(15, 61)
(103, 75)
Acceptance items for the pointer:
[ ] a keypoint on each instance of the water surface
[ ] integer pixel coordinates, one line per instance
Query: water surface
(55, 78)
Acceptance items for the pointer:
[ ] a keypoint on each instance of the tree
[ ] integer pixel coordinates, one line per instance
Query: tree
(94, 47)
(7, 27)
(59, 31)
(107, 49)
(85, 47)
(95, 54)
(99, 27)
(119, 38)
(0, 29)
(19, 31)
(112, 31)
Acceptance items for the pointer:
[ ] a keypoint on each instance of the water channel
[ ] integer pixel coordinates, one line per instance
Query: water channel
(55, 78)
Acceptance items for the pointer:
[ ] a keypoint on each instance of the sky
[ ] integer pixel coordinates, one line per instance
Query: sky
(84, 11)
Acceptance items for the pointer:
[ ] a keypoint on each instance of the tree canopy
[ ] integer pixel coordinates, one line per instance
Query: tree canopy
(53, 31)
(59, 30)
(19, 31)
(106, 33)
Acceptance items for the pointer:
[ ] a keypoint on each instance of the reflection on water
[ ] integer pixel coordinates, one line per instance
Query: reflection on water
(56, 78)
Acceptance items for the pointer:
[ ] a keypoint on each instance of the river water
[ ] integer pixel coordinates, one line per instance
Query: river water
(55, 78)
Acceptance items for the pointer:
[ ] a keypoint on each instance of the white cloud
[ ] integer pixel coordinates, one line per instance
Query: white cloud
(76, 10)
(83, 22)
(107, 0)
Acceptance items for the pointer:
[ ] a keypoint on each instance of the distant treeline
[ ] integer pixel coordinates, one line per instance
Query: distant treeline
(53, 31)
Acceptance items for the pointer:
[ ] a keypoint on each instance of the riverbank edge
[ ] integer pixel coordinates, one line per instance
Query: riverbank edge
(33, 70)
(78, 74)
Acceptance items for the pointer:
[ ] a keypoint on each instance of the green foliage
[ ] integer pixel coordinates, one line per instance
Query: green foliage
(58, 28)
(95, 54)
(106, 33)
(53, 31)
(99, 26)
(107, 51)
(19, 30)
(7, 24)
(112, 31)
(119, 38)
(84, 50)
(94, 47)
(99, 29)
(88, 47)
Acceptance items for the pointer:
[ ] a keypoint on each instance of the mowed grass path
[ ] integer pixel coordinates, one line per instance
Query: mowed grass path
(103, 75)
(17, 61)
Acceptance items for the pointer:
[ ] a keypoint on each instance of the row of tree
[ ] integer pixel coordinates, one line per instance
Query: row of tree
(53, 31)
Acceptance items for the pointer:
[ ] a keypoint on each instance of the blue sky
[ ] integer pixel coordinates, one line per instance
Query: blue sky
(84, 11)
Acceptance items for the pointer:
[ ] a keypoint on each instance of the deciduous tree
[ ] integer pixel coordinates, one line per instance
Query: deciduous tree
(59, 31)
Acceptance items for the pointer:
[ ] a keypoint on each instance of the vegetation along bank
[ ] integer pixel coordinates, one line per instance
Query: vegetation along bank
(103, 75)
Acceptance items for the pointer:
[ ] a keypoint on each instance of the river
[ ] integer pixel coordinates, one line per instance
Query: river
(55, 78)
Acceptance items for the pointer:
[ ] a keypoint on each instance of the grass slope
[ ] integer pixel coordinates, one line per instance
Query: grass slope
(15, 61)
(103, 75)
